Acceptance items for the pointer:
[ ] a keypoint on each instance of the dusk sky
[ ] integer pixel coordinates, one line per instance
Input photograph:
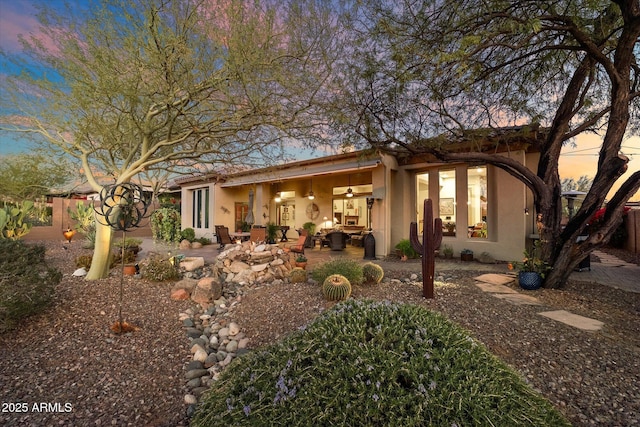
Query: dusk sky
(17, 17)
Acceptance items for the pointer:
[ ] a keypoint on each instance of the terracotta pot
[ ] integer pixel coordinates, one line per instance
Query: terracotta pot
(302, 265)
(129, 270)
(466, 257)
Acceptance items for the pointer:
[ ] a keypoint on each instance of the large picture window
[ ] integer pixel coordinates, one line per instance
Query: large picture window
(447, 206)
(477, 201)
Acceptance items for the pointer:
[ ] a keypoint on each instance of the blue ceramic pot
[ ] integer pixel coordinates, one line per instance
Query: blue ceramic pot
(529, 280)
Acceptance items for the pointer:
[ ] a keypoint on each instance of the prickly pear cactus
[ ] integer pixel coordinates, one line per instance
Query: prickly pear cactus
(13, 221)
(298, 275)
(372, 273)
(336, 288)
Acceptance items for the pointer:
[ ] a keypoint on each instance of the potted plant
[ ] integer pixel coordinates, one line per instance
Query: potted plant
(311, 229)
(466, 255)
(447, 251)
(272, 232)
(531, 270)
(405, 250)
(451, 228)
(301, 261)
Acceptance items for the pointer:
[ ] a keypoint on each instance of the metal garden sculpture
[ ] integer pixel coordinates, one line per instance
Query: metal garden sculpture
(122, 207)
(431, 239)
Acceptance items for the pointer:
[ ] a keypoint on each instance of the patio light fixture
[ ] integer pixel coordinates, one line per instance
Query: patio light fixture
(311, 195)
(349, 190)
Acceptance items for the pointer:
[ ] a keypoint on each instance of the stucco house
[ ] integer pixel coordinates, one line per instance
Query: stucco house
(483, 208)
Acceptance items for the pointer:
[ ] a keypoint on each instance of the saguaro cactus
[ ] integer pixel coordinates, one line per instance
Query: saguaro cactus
(431, 239)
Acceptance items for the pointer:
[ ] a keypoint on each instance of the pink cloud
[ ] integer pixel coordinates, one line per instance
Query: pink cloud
(16, 18)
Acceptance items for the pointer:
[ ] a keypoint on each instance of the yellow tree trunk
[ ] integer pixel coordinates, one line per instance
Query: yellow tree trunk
(101, 253)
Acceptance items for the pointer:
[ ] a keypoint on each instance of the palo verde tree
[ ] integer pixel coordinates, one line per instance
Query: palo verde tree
(427, 72)
(127, 86)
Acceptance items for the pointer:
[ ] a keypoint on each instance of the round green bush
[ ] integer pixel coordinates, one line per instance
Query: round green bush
(298, 275)
(366, 363)
(158, 269)
(372, 273)
(189, 234)
(348, 268)
(336, 288)
(27, 284)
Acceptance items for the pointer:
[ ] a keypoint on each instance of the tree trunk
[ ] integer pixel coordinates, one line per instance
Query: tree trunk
(101, 253)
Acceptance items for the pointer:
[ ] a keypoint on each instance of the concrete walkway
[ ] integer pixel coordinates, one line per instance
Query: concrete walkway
(611, 271)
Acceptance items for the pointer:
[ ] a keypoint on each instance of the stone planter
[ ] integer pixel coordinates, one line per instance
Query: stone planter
(529, 280)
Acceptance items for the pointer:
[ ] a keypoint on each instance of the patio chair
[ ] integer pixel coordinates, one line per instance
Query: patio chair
(258, 235)
(298, 247)
(337, 240)
(223, 236)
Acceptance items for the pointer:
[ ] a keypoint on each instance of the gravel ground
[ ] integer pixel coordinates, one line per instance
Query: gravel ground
(68, 355)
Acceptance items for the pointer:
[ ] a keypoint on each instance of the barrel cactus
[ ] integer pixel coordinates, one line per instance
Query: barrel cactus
(298, 275)
(372, 273)
(336, 288)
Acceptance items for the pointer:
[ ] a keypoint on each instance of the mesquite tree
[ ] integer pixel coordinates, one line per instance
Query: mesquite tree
(127, 86)
(424, 73)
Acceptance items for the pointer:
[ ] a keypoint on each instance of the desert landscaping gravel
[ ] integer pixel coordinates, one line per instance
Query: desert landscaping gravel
(65, 366)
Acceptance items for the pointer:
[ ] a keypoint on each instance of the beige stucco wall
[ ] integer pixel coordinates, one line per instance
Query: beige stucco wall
(508, 226)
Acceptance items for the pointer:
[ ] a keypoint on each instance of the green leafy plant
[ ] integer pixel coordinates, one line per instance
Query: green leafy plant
(348, 268)
(27, 284)
(301, 258)
(158, 269)
(85, 222)
(466, 252)
(189, 234)
(298, 275)
(203, 240)
(372, 273)
(310, 227)
(165, 225)
(336, 288)
(272, 232)
(13, 220)
(129, 242)
(405, 247)
(531, 262)
(350, 366)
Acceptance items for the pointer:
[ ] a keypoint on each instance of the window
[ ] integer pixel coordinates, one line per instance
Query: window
(477, 201)
(422, 192)
(200, 217)
(447, 206)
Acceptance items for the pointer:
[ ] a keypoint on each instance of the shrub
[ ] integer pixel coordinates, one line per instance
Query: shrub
(189, 234)
(352, 367)
(405, 247)
(129, 242)
(158, 269)
(84, 261)
(372, 273)
(26, 283)
(204, 241)
(116, 258)
(84, 217)
(348, 268)
(165, 225)
(336, 288)
(298, 275)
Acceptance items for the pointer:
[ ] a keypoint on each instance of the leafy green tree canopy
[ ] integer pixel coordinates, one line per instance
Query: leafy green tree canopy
(425, 73)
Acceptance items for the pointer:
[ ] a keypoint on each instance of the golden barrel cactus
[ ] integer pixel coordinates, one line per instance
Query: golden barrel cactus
(336, 288)
(372, 273)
